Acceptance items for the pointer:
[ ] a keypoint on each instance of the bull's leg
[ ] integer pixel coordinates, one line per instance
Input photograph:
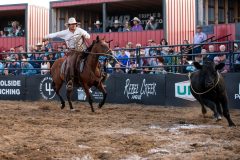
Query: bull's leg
(226, 113)
(103, 90)
(204, 110)
(90, 101)
(57, 88)
(212, 106)
(219, 109)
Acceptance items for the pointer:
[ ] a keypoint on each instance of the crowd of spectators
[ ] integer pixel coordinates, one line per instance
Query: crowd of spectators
(37, 59)
(154, 58)
(134, 25)
(15, 30)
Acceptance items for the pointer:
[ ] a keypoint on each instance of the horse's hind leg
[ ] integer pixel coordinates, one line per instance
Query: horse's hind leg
(90, 101)
(103, 90)
(57, 89)
(69, 96)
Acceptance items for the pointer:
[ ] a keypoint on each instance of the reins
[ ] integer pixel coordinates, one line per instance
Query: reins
(200, 93)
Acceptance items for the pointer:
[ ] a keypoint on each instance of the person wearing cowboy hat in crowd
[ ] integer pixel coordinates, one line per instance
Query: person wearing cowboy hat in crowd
(116, 26)
(136, 24)
(199, 37)
(98, 28)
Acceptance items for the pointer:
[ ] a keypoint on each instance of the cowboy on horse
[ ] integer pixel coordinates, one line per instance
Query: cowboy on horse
(74, 38)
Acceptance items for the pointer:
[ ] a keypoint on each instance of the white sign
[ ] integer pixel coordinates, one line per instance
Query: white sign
(182, 90)
(10, 83)
(46, 89)
(237, 96)
(136, 91)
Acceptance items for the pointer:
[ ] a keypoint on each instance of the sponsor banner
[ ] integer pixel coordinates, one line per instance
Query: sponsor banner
(96, 95)
(12, 88)
(145, 89)
(182, 90)
(232, 81)
(178, 91)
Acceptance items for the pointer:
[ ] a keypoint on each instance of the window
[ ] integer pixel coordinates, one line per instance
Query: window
(230, 11)
(221, 11)
(211, 12)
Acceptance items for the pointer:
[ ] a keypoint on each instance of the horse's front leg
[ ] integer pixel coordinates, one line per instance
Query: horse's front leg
(90, 101)
(103, 90)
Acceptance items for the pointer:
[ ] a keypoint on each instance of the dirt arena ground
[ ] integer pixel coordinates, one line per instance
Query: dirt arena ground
(40, 130)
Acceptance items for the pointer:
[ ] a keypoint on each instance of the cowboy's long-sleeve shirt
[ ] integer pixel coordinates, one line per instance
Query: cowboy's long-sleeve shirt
(70, 37)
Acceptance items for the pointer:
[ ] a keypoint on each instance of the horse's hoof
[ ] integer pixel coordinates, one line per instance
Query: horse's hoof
(63, 106)
(73, 110)
(100, 106)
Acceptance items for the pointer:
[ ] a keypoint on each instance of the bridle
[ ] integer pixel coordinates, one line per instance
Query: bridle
(201, 93)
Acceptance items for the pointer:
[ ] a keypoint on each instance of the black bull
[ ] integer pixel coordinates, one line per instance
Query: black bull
(207, 86)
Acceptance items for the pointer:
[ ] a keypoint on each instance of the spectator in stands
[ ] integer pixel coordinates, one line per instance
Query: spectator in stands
(184, 63)
(116, 26)
(64, 48)
(236, 58)
(173, 60)
(39, 47)
(136, 25)
(51, 59)
(45, 66)
(126, 27)
(133, 68)
(1, 34)
(237, 55)
(150, 41)
(165, 50)
(14, 28)
(19, 31)
(159, 67)
(27, 68)
(118, 69)
(147, 70)
(211, 50)
(14, 68)
(107, 66)
(223, 59)
(98, 28)
(47, 46)
(187, 50)
(199, 37)
(123, 59)
(11, 53)
(59, 53)
(1, 68)
(151, 24)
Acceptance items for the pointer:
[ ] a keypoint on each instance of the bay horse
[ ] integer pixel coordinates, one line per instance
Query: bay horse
(91, 74)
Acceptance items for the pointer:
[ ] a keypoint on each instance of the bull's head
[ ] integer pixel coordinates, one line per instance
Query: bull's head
(208, 73)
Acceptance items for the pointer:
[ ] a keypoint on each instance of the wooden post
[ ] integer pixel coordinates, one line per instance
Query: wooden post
(104, 15)
(206, 12)
(236, 4)
(226, 11)
(216, 12)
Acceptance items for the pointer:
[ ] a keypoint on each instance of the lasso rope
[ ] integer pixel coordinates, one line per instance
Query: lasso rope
(201, 93)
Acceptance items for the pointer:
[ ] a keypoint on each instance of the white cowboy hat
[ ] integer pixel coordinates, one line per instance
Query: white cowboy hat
(236, 45)
(116, 21)
(72, 20)
(24, 60)
(39, 44)
(97, 23)
(136, 19)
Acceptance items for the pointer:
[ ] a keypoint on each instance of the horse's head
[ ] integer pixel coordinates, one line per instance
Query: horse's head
(100, 46)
